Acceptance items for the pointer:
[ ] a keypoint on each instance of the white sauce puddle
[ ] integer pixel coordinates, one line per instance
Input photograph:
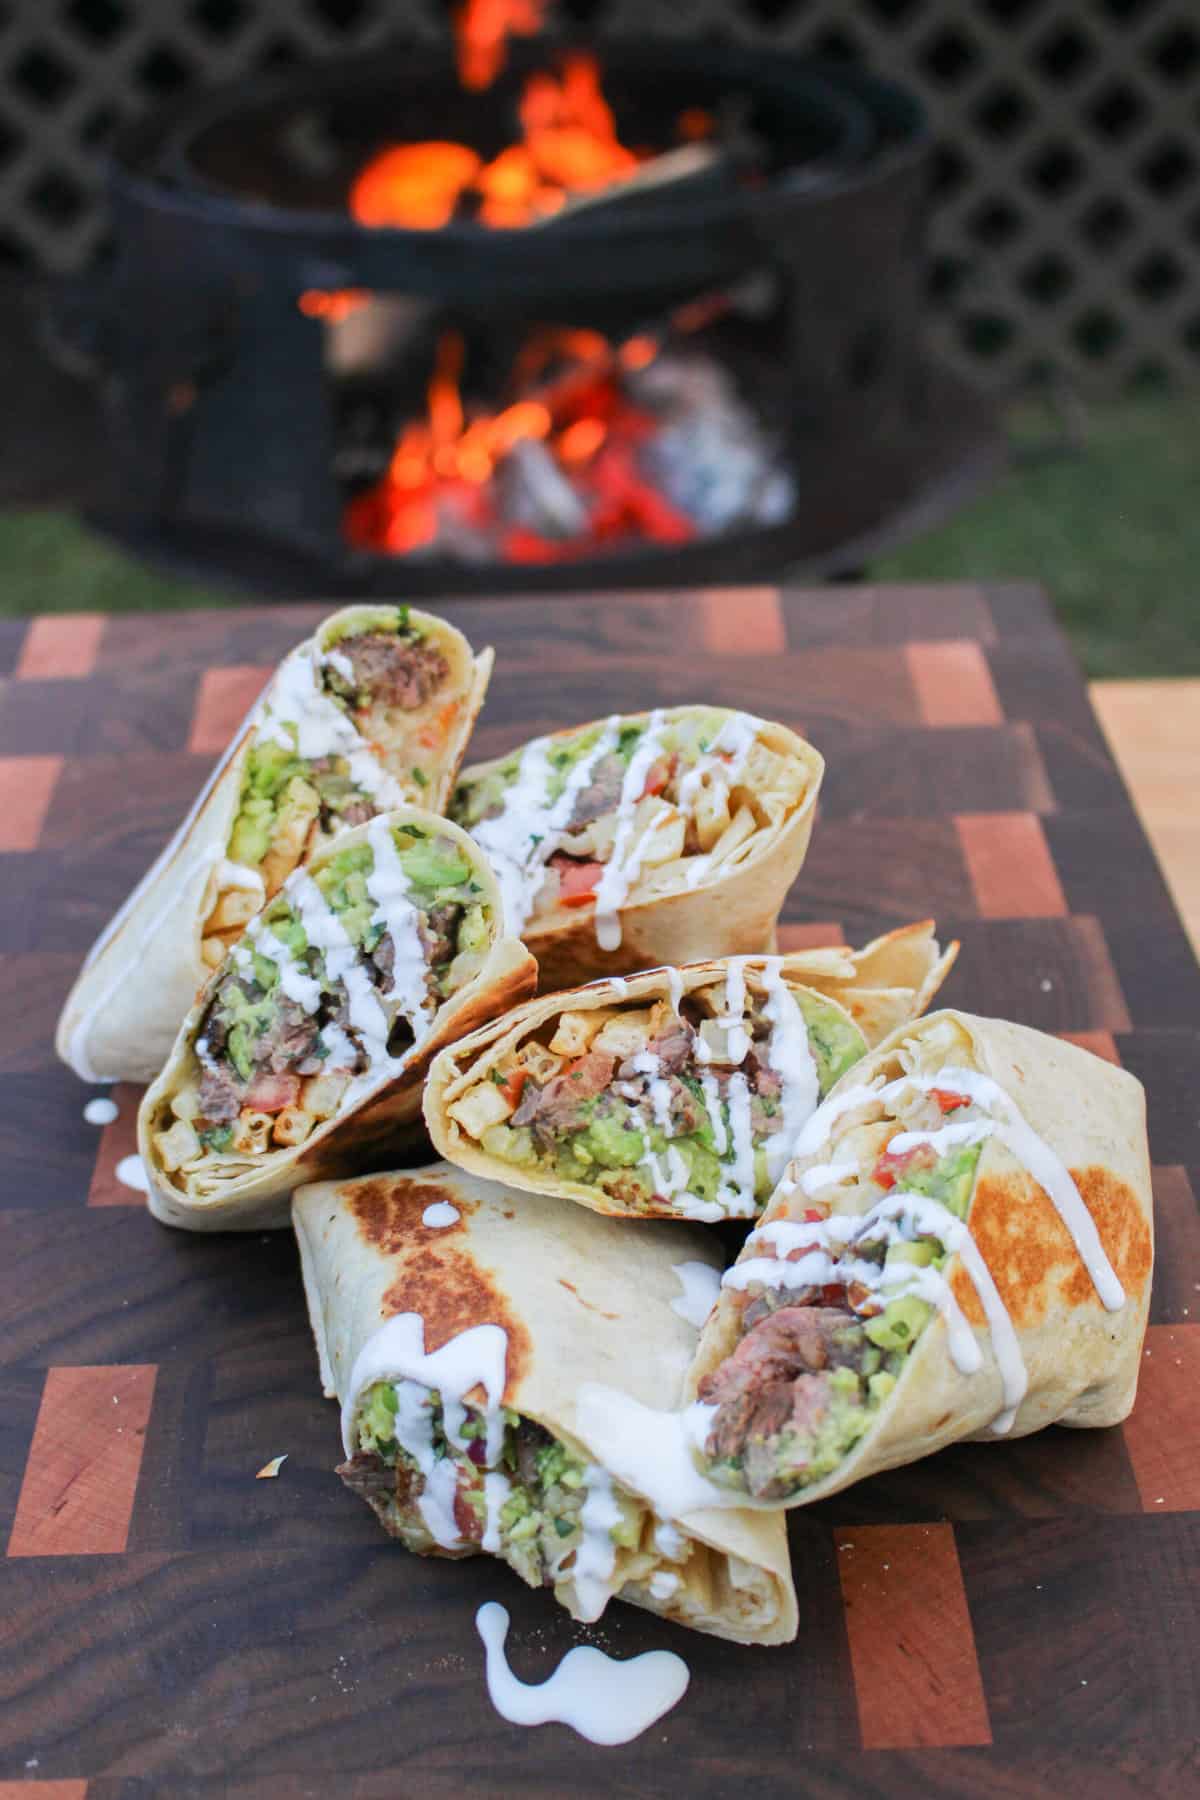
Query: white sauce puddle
(101, 1111)
(440, 1214)
(131, 1172)
(606, 1701)
(701, 1285)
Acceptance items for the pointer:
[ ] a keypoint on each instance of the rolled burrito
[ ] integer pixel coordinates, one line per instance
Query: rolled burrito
(308, 1047)
(371, 712)
(647, 838)
(676, 1093)
(961, 1248)
(456, 1323)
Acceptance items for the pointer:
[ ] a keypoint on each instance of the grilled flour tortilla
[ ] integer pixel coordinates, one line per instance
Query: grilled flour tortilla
(648, 838)
(961, 1248)
(456, 1321)
(308, 1047)
(372, 711)
(675, 1093)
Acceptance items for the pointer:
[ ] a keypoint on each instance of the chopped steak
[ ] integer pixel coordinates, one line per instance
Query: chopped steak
(370, 1476)
(395, 671)
(220, 1096)
(438, 929)
(775, 1381)
(383, 963)
(530, 1439)
(554, 1110)
(674, 1048)
(601, 794)
(289, 1038)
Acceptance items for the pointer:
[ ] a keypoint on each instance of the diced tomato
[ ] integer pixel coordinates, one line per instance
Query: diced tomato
(895, 1163)
(948, 1100)
(660, 774)
(512, 1086)
(814, 1215)
(577, 881)
(833, 1293)
(271, 1093)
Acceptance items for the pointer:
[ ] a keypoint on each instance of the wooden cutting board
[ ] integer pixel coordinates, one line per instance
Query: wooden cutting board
(1004, 1619)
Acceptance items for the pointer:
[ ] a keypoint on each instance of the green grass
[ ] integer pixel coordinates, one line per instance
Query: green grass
(1113, 533)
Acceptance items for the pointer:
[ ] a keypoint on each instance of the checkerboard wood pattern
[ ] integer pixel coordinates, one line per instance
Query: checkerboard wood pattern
(1005, 1618)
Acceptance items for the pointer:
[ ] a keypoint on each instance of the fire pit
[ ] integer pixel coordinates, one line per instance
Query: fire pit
(647, 322)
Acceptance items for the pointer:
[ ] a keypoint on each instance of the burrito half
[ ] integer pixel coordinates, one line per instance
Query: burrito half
(309, 1045)
(962, 1248)
(645, 838)
(676, 1093)
(371, 712)
(456, 1321)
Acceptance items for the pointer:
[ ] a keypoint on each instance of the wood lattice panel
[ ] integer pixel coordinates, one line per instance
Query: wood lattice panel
(1066, 233)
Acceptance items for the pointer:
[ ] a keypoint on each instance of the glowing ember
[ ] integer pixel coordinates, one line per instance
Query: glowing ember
(604, 445)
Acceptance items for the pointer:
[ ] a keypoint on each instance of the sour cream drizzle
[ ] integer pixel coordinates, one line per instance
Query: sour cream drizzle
(596, 1554)
(300, 715)
(474, 1358)
(737, 734)
(1007, 1125)
(701, 1285)
(237, 875)
(624, 865)
(389, 887)
(522, 837)
(605, 1701)
(325, 931)
(294, 982)
(828, 1248)
(790, 1055)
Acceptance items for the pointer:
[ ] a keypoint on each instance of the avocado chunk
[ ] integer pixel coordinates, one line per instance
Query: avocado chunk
(900, 1323)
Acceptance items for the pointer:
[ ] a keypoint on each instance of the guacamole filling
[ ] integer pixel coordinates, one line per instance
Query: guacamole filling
(283, 1035)
(378, 674)
(657, 794)
(528, 1507)
(821, 1349)
(684, 1112)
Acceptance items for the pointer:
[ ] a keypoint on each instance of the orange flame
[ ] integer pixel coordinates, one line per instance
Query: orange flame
(569, 145)
(481, 32)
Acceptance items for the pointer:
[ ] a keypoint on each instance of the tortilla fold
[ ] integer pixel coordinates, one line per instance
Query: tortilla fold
(869, 991)
(250, 1192)
(142, 974)
(730, 909)
(578, 1300)
(1058, 1338)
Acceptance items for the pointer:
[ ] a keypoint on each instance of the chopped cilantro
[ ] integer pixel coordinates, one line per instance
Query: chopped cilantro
(420, 777)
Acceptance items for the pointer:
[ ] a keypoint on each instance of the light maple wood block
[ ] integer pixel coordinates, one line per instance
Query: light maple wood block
(1153, 728)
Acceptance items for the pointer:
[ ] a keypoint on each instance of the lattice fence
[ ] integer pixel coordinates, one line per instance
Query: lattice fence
(1066, 233)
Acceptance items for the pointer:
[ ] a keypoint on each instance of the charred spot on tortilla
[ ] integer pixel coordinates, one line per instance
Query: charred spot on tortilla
(1024, 1242)
(388, 1212)
(1123, 1230)
(451, 1293)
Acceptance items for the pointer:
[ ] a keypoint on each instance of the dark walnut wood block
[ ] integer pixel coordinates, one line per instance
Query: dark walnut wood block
(1004, 1619)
